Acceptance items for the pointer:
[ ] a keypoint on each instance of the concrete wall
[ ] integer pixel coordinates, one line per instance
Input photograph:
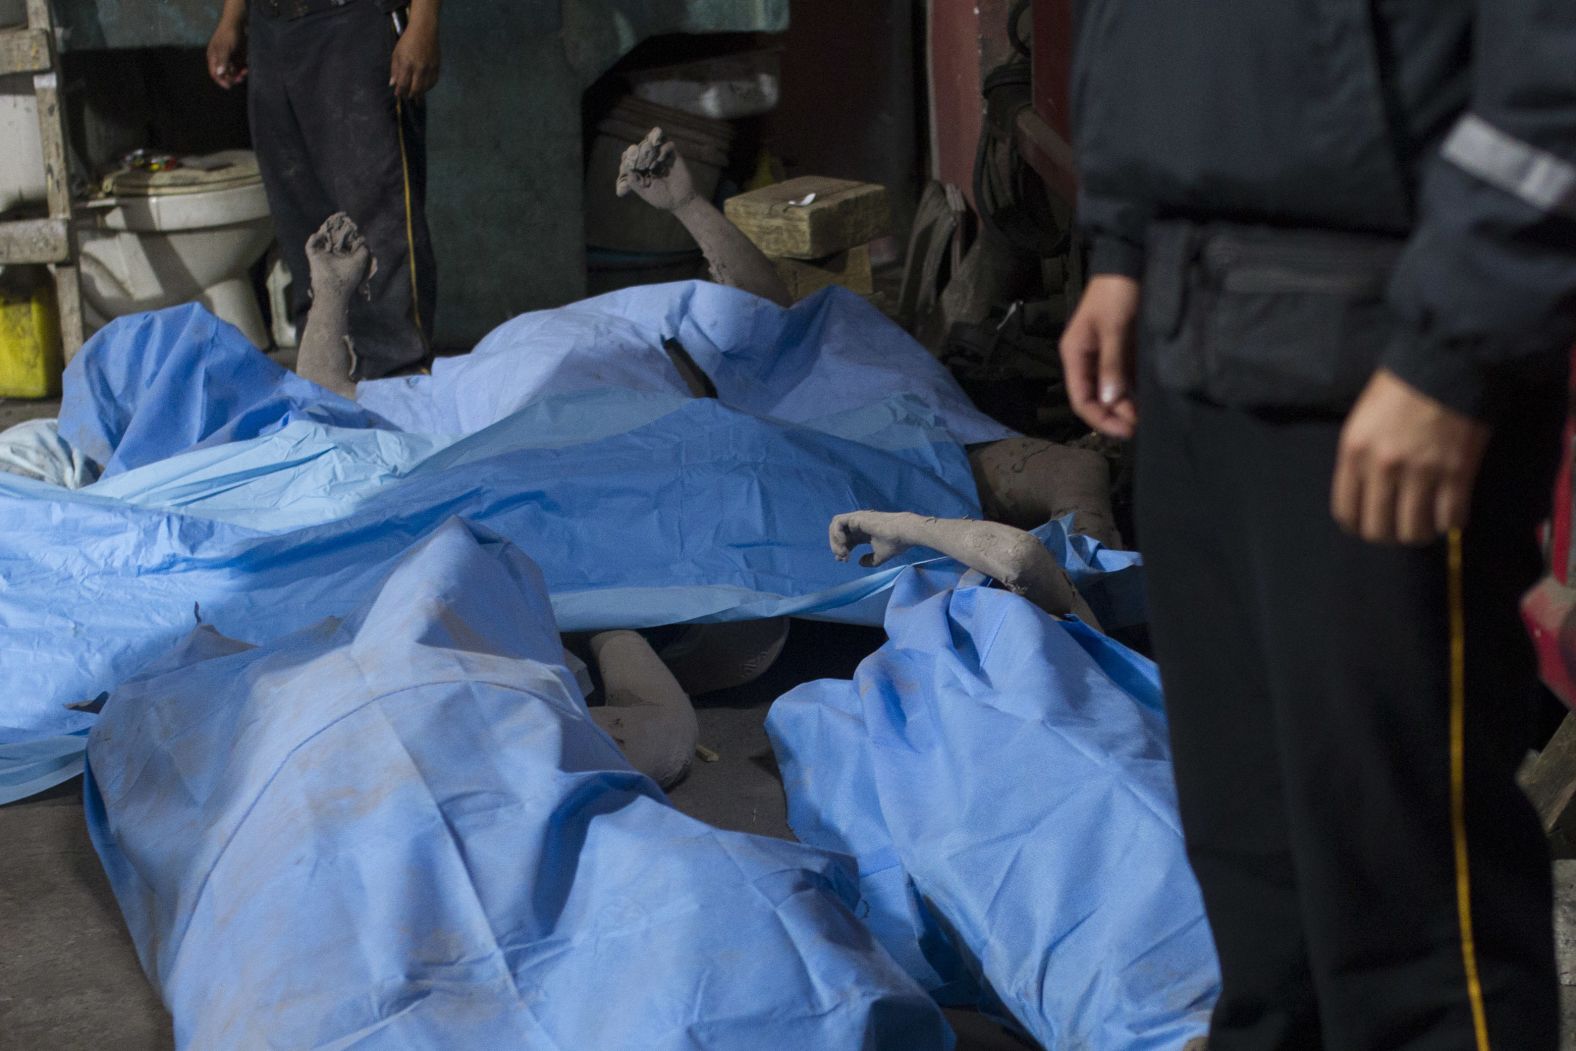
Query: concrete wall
(503, 128)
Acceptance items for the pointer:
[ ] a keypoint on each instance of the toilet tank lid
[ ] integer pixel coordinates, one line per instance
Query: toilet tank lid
(213, 171)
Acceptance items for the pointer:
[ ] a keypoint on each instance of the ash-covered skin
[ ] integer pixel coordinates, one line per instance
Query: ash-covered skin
(645, 710)
(1027, 482)
(654, 171)
(1014, 558)
(340, 264)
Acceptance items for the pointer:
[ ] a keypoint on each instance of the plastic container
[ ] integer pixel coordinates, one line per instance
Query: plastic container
(746, 84)
(30, 359)
(281, 328)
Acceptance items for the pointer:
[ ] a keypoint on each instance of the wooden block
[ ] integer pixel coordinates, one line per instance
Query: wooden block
(52, 139)
(1550, 780)
(23, 51)
(841, 216)
(68, 302)
(35, 241)
(851, 269)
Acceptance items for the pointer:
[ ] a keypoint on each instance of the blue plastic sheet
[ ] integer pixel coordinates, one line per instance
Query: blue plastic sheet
(830, 354)
(236, 491)
(403, 830)
(1004, 779)
(152, 385)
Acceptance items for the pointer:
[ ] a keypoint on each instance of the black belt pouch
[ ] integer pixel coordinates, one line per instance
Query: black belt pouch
(1266, 318)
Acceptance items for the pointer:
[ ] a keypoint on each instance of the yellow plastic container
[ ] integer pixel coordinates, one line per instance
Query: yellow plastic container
(30, 359)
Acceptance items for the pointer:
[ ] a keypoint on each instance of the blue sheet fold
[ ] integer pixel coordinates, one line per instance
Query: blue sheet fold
(238, 490)
(402, 829)
(832, 353)
(1004, 779)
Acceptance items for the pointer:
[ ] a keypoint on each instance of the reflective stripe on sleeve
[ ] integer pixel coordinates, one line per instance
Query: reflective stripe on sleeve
(1536, 176)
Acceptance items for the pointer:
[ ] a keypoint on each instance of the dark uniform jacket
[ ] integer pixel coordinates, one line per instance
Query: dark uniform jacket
(1425, 148)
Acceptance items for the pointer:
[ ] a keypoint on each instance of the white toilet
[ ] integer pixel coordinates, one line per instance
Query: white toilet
(155, 239)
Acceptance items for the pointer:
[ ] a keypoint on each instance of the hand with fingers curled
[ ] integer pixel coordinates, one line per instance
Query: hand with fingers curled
(227, 53)
(654, 171)
(1406, 465)
(338, 258)
(416, 63)
(1098, 356)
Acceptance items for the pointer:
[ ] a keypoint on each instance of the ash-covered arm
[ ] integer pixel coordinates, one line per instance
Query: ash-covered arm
(654, 171)
(1011, 556)
(340, 263)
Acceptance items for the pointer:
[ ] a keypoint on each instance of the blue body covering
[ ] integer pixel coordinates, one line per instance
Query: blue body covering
(234, 488)
(403, 830)
(397, 827)
(1004, 779)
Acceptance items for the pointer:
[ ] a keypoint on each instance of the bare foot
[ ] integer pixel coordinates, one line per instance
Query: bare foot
(655, 172)
(338, 258)
(645, 710)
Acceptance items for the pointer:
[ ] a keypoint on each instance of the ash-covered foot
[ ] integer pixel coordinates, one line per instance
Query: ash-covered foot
(653, 170)
(1011, 556)
(338, 258)
(645, 710)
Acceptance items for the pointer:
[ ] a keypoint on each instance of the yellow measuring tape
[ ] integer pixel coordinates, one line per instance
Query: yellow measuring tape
(410, 222)
(1458, 786)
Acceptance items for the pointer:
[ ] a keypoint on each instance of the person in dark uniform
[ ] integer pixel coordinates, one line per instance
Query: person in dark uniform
(335, 89)
(1333, 248)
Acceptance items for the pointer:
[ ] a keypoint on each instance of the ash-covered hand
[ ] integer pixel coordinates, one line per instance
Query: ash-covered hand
(338, 258)
(882, 530)
(654, 171)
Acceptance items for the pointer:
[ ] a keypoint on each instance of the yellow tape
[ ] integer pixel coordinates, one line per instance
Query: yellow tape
(410, 222)
(1458, 787)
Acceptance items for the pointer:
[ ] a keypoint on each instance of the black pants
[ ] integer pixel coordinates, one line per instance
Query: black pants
(329, 139)
(1307, 676)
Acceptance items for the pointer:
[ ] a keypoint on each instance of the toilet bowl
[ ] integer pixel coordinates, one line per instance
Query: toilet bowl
(158, 238)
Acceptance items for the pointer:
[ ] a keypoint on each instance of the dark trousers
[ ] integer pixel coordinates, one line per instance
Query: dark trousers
(1307, 675)
(329, 139)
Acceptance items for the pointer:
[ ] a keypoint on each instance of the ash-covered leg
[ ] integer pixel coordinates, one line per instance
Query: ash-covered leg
(1027, 482)
(654, 171)
(645, 711)
(1011, 556)
(340, 263)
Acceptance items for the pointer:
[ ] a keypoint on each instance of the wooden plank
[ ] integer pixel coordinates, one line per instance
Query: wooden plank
(68, 301)
(842, 215)
(1048, 154)
(851, 269)
(23, 51)
(57, 181)
(52, 139)
(38, 14)
(1550, 780)
(35, 241)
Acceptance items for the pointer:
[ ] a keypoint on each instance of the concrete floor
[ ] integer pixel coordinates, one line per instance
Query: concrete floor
(14, 410)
